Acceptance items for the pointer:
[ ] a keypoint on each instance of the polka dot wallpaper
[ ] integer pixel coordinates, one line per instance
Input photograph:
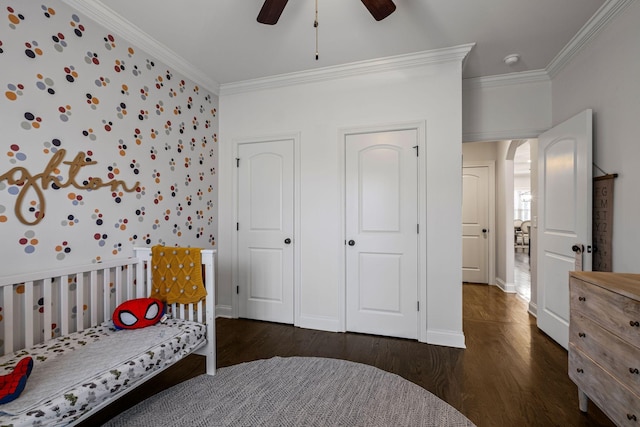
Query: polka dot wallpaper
(103, 147)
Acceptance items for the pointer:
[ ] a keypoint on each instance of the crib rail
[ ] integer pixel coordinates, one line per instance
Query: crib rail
(40, 305)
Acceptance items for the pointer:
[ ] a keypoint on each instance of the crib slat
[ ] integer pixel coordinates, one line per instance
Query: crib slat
(149, 282)
(7, 298)
(47, 306)
(118, 284)
(130, 283)
(28, 314)
(106, 297)
(64, 305)
(80, 302)
(131, 291)
(93, 297)
(140, 282)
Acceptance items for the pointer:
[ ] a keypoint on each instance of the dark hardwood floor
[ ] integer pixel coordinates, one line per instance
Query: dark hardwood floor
(510, 374)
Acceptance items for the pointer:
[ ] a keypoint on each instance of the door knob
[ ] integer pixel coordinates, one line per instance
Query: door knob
(484, 230)
(287, 241)
(352, 242)
(577, 248)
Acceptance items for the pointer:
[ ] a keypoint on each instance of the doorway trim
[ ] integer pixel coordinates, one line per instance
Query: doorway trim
(491, 256)
(507, 285)
(295, 137)
(420, 128)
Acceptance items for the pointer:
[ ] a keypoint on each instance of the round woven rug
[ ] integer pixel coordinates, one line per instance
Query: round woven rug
(294, 391)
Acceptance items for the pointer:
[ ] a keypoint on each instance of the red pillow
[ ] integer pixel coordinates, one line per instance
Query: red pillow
(138, 313)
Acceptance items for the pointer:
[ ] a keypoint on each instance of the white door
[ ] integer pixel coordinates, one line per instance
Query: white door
(265, 230)
(564, 218)
(475, 224)
(381, 233)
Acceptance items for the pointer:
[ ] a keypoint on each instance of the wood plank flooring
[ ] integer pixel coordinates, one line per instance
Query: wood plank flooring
(510, 374)
(522, 275)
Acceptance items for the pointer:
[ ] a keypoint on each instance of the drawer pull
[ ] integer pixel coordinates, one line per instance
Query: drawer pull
(580, 370)
(632, 417)
(634, 323)
(582, 299)
(634, 371)
(582, 334)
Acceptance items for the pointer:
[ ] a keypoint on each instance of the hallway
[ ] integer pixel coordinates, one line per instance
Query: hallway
(522, 275)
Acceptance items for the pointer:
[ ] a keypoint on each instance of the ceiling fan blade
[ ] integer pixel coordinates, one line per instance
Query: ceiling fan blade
(271, 11)
(380, 9)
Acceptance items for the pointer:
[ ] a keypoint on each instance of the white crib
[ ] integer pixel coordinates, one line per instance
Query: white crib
(77, 324)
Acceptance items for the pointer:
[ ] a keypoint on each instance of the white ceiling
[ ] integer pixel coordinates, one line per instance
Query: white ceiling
(222, 40)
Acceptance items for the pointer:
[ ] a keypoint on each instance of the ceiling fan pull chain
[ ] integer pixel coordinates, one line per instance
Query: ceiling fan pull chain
(315, 25)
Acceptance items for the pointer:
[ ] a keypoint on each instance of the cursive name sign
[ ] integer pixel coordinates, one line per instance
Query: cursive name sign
(39, 182)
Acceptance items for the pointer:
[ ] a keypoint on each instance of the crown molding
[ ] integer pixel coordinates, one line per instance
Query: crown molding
(609, 10)
(511, 79)
(456, 53)
(103, 15)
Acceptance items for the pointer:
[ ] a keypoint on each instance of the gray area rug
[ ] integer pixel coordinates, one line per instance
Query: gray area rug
(294, 391)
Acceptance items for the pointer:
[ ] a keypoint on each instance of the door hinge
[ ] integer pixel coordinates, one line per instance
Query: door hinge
(237, 162)
(238, 290)
(417, 150)
(418, 228)
(418, 305)
(237, 226)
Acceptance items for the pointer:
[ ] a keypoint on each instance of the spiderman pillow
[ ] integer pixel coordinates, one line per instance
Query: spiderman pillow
(138, 313)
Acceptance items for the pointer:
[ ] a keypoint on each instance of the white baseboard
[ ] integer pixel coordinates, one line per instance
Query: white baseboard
(533, 309)
(224, 311)
(446, 338)
(509, 288)
(319, 323)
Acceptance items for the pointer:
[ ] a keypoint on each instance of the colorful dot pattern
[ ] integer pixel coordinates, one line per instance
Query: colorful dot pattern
(71, 84)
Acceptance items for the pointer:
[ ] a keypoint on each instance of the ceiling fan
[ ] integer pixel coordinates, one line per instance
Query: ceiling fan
(272, 9)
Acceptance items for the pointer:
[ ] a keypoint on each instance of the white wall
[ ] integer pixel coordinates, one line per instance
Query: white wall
(317, 111)
(506, 107)
(479, 151)
(605, 76)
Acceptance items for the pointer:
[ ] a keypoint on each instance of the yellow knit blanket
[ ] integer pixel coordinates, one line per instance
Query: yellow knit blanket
(176, 275)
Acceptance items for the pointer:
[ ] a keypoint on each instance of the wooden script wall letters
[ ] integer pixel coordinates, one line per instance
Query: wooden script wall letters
(21, 177)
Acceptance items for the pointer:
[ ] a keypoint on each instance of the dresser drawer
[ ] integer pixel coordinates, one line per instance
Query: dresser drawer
(611, 310)
(611, 396)
(607, 350)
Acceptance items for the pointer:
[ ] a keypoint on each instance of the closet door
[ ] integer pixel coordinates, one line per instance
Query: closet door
(265, 230)
(382, 233)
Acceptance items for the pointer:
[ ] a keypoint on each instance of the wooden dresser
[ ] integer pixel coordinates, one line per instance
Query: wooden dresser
(604, 343)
